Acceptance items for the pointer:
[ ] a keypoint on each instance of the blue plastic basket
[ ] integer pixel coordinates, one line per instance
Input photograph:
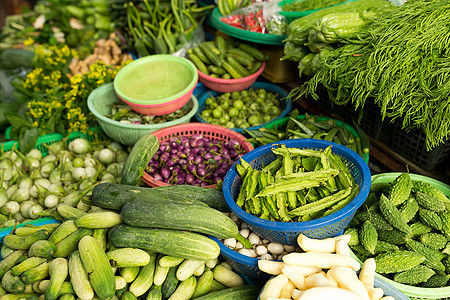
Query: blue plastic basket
(286, 233)
(260, 85)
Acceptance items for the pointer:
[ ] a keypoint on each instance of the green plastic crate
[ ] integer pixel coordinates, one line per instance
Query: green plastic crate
(282, 123)
(48, 139)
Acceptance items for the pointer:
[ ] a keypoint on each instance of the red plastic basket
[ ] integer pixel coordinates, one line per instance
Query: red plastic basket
(208, 130)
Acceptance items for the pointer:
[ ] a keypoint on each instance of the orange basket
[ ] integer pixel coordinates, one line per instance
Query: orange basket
(213, 132)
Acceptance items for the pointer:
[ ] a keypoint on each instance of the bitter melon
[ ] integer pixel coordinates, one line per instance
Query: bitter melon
(400, 189)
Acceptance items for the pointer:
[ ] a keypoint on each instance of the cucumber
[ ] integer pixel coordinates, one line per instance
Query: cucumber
(24, 242)
(144, 280)
(7, 263)
(58, 271)
(96, 264)
(103, 219)
(246, 292)
(42, 248)
(70, 243)
(128, 257)
(27, 264)
(35, 274)
(185, 289)
(79, 277)
(12, 284)
(189, 217)
(113, 195)
(177, 243)
(170, 284)
(139, 157)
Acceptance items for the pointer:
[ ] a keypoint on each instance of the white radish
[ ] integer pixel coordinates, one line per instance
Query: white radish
(321, 260)
(367, 274)
(347, 279)
(328, 292)
(297, 279)
(342, 247)
(270, 266)
(331, 279)
(316, 280)
(374, 293)
(273, 287)
(326, 245)
(286, 290)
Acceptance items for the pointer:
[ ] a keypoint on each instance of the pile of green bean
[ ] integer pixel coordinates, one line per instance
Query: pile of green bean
(299, 185)
(311, 127)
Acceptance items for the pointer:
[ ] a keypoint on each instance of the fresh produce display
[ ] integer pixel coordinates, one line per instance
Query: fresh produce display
(324, 270)
(124, 114)
(33, 185)
(354, 71)
(303, 5)
(75, 259)
(161, 28)
(262, 248)
(246, 108)
(226, 59)
(195, 160)
(311, 127)
(299, 185)
(404, 226)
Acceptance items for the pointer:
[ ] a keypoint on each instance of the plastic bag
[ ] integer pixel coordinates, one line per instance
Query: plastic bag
(262, 17)
(197, 37)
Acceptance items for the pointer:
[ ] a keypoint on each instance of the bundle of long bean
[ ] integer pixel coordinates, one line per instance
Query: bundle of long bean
(161, 28)
(311, 127)
(403, 65)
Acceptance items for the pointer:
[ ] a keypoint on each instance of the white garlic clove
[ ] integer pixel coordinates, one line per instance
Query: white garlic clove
(245, 232)
(239, 245)
(244, 225)
(275, 248)
(260, 250)
(288, 248)
(266, 256)
(252, 253)
(245, 252)
(231, 242)
(254, 238)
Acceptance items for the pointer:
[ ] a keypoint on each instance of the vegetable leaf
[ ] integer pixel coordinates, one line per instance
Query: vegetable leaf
(28, 138)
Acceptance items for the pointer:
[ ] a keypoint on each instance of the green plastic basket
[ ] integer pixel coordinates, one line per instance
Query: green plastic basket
(283, 121)
(292, 15)
(49, 139)
(99, 104)
(412, 291)
(255, 37)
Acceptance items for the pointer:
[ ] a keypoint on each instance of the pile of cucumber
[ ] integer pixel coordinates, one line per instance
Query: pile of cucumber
(226, 59)
(98, 254)
(405, 226)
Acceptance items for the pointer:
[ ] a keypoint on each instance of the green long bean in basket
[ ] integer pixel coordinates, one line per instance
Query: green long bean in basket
(313, 128)
(299, 185)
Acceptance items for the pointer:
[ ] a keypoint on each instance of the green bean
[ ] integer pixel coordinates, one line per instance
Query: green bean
(292, 185)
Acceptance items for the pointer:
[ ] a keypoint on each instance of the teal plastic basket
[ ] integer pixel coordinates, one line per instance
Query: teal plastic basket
(43, 221)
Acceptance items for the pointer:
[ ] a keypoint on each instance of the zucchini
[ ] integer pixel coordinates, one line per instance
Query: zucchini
(79, 277)
(139, 157)
(246, 292)
(96, 264)
(177, 243)
(191, 217)
(113, 195)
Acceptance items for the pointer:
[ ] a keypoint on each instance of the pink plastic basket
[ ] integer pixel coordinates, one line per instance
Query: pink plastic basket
(229, 85)
(208, 130)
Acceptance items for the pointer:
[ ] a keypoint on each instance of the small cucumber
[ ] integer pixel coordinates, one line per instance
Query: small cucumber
(104, 219)
(213, 57)
(199, 64)
(58, 271)
(42, 248)
(170, 284)
(96, 264)
(139, 157)
(79, 277)
(196, 51)
(237, 66)
(246, 292)
(70, 243)
(24, 242)
(128, 257)
(254, 52)
(145, 278)
(8, 262)
(35, 274)
(27, 264)
(63, 230)
(185, 289)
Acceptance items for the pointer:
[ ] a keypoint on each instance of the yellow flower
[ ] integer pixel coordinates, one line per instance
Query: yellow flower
(28, 41)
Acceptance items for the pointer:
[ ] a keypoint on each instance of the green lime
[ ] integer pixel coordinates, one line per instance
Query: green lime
(253, 120)
(217, 113)
(238, 104)
(206, 113)
(233, 112)
(209, 101)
